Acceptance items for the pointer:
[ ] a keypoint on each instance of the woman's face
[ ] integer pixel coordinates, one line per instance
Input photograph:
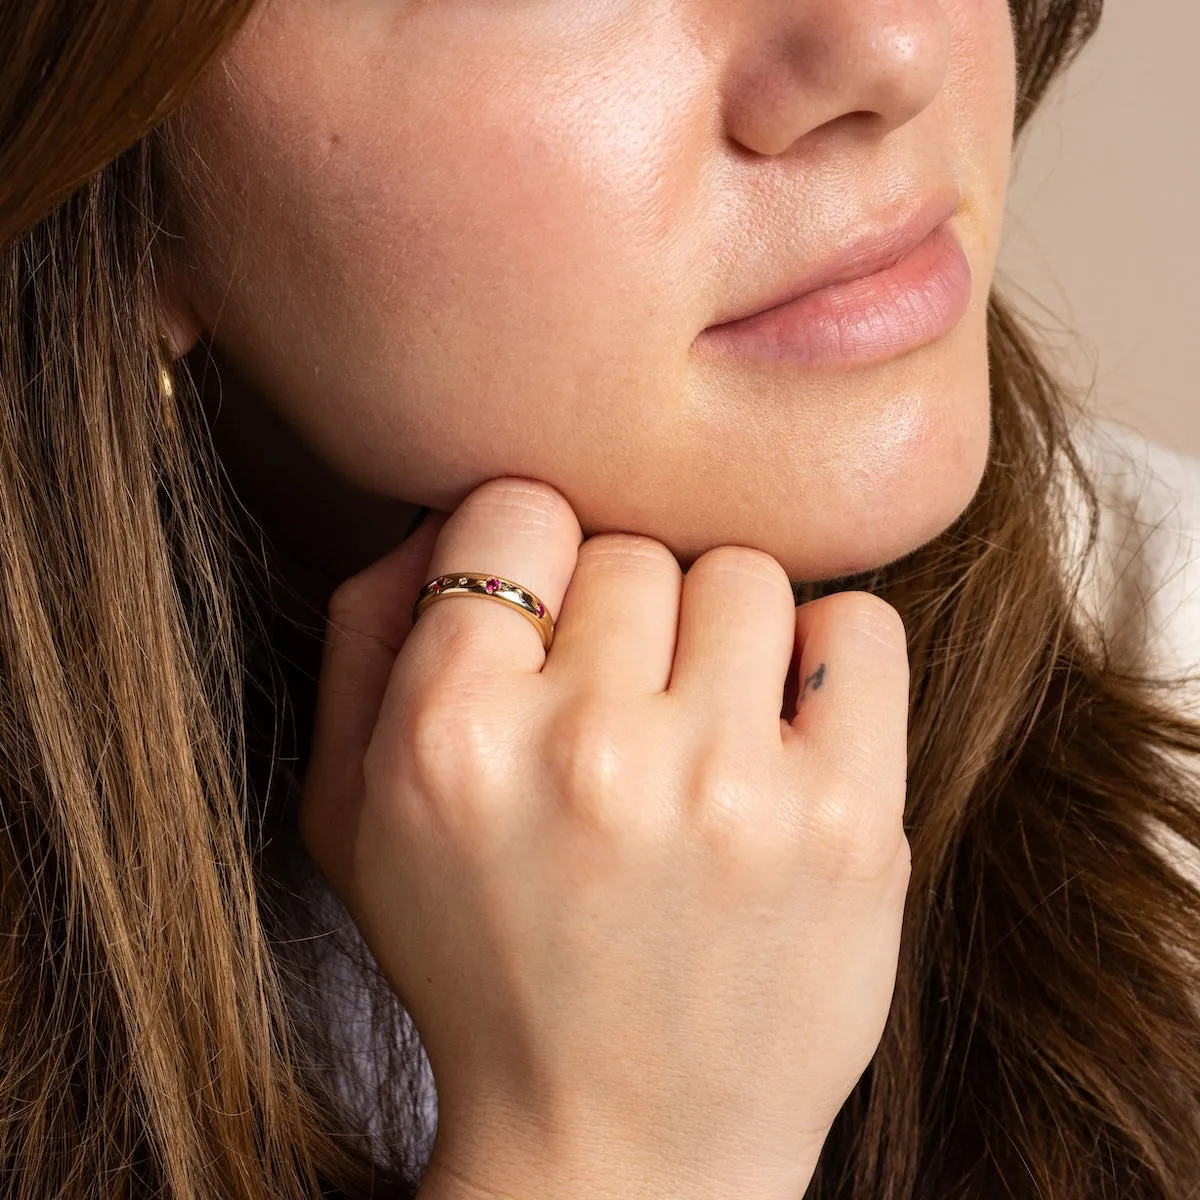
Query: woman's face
(458, 239)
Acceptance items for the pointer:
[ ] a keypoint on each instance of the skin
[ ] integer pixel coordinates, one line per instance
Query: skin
(438, 242)
(434, 242)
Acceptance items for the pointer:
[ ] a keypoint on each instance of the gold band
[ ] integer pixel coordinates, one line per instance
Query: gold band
(491, 587)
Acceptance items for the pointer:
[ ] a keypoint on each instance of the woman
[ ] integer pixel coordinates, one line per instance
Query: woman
(309, 308)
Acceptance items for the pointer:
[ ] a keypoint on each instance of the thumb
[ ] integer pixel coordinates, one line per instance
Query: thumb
(368, 620)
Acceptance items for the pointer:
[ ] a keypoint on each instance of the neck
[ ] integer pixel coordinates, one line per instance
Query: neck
(321, 527)
(306, 526)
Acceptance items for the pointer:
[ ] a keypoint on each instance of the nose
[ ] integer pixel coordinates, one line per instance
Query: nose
(798, 65)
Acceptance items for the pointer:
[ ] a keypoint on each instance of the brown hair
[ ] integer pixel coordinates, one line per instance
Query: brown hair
(160, 1029)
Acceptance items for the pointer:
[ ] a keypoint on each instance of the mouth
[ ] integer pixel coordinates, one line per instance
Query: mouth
(883, 297)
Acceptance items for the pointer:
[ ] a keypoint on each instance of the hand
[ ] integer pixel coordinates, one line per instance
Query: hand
(646, 925)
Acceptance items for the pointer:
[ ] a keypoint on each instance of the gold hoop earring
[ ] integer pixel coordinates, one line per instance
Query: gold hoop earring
(166, 396)
(166, 382)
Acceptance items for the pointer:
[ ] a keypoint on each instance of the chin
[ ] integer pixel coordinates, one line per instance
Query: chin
(885, 463)
(871, 517)
(911, 510)
(900, 542)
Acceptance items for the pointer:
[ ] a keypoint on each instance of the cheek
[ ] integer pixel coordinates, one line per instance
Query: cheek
(442, 285)
(980, 89)
(496, 236)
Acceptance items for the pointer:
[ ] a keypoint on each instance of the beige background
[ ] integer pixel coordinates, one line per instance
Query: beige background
(1103, 224)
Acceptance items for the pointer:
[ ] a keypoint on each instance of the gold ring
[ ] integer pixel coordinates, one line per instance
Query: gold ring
(491, 587)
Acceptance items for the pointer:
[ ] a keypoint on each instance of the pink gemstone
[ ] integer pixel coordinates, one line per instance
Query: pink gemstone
(436, 586)
(540, 610)
(492, 584)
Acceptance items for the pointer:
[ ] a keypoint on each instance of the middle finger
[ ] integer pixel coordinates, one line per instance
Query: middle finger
(616, 631)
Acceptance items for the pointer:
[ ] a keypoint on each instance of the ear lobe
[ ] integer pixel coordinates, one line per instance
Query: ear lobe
(182, 327)
(182, 330)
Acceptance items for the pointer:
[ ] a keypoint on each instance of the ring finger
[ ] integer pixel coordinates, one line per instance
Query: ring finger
(736, 633)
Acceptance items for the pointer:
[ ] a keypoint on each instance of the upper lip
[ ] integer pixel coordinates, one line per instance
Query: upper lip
(864, 256)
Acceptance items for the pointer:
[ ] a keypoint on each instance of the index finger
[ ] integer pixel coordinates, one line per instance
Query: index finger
(521, 530)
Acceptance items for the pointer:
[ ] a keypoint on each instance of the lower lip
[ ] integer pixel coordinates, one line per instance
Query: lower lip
(872, 319)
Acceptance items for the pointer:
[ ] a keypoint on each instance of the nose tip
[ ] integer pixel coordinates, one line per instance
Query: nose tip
(829, 61)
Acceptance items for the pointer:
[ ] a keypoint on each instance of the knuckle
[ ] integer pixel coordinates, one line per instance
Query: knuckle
(872, 616)
(454, 649)
(855, 840)
(530, 503)
(450, 750)
(350, 599)
(745, 562)
(857, 759)
(627, 551)
(588, 759)
(727, 812)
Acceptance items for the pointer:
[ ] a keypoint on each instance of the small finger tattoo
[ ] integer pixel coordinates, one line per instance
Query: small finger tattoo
(813, 682)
